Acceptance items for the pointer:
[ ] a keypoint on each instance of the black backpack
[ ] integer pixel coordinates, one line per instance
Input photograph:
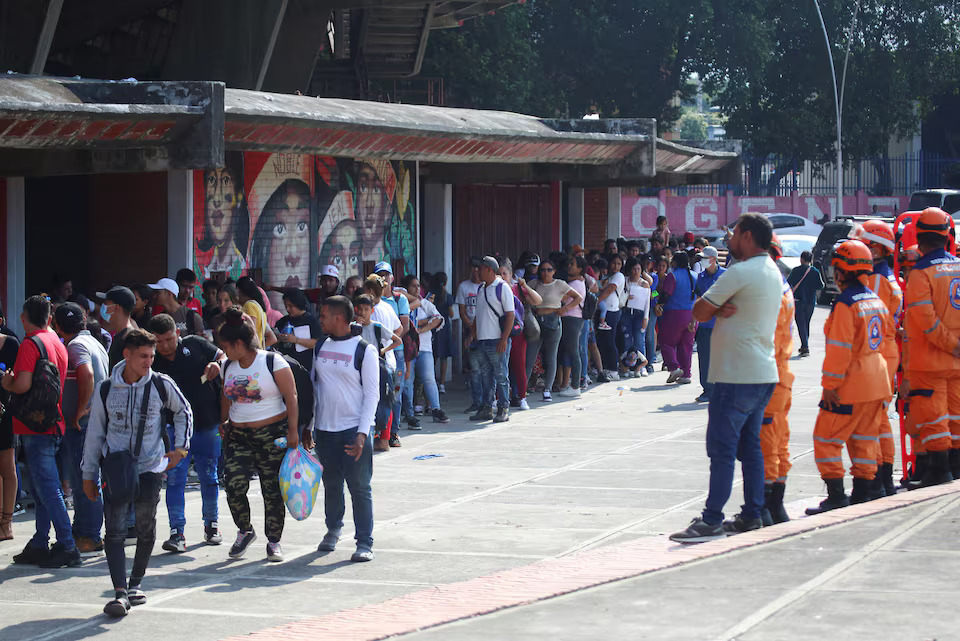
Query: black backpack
(384, 416)
(166, 415)
(39, 407)
(301, 380)
(589, 305)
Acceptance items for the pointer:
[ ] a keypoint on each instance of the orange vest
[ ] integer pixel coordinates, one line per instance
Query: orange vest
(855, 361)
(933, 313)
(783, 338)
(883, 283)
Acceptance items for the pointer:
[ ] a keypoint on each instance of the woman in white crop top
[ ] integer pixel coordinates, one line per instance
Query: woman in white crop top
(257, 408)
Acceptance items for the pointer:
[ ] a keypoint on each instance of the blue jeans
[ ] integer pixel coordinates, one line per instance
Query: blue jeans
(115, 517)
(423, 369)
(87, 514)
(399, 378)
(205, 452)
(40, 451)
(493, 368)
(634, 334)
(803, 313)
(475, 379)
(704, 335)
(340, 467)
(733, 432)
(651, 338)
(584, 334)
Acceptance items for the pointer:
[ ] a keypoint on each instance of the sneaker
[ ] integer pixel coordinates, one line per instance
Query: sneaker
(136, 596)
(502, 415)
(362, 555)
(523, 404)
(418, 410)
(699, 531)
(211, 534)
(703, 398)
(738, 525)
(570, 392)
(602, 378)
(547, 397)
(514, 402)
(439, 416)
(176, 543)
(244, 539)
(650, 369)
(675, 375)
(603, 325)
(804, 352)
(612, 376)
(413, 423)
(395, 440)
(442, 388)
(19, 509)
(472, 409)
(329, 542)
(88, 546)
(274, 552)
(483, 414)
(118, 607)
(31, 555)
(60, 557)
(644, 372)
(684, 380)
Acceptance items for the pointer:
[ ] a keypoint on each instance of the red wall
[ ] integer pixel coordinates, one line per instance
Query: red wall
(594, 217)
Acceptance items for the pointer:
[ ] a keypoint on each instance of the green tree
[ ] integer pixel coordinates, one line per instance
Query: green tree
(692, 126)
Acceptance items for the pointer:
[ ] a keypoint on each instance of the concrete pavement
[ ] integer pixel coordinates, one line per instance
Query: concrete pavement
(625, 463)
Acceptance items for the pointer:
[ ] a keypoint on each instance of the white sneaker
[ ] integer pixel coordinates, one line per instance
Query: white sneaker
(547, 398)
(613, 376)
(523, 404)
(570, 392)
(644, 373)
(442, 388)
(675, 375)
(683, 380)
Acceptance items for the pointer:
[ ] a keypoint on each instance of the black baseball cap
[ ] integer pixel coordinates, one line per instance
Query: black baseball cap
(123, 297)
(70, 318)
(476, 261)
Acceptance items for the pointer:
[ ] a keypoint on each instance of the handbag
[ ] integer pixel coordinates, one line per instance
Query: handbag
(531, 326)
(118, 470)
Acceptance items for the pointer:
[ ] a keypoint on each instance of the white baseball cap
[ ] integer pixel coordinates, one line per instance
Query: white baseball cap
(330, 270)
(168, 284)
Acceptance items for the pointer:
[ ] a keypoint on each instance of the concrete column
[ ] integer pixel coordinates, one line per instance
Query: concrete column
(179, 221)
(575, 222)
(614, 195)
(436, 216)
(16, 253)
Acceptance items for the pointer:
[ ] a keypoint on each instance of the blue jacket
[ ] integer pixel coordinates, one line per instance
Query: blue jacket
(704, 281)
(805, 289)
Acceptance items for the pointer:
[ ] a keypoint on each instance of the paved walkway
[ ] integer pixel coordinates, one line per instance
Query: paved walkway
(607, 475)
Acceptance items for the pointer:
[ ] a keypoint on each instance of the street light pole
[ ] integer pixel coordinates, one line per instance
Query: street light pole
(838, 95)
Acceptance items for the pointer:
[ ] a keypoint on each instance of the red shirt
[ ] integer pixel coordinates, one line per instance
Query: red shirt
(27, 360)
(195, 305)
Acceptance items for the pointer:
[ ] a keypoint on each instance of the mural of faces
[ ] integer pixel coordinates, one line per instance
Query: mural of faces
(226, 221)
(373, 210)
(342, 248)
(281, 244)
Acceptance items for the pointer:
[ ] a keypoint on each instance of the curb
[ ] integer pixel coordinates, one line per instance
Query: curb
(557, 576)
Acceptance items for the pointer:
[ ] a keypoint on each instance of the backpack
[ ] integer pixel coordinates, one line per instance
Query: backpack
(301, 380)
(518, 310)
(589, 305)
(384, 414)
(166, 415)
(411, 342)
(39, 407)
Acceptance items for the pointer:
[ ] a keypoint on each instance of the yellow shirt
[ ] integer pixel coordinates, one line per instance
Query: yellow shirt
(252, 309)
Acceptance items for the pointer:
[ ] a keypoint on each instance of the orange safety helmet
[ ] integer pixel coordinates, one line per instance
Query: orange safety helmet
(852, 256)
(934, 220)
(776, 247)
(877, 232)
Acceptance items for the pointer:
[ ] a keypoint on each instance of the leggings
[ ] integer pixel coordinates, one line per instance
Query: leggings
(570, 346)
(248, 450)
(547, 346)
(607, 342)
(518, 366)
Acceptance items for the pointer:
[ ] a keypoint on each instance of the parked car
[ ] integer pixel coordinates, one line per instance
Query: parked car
(793, 224)
(794, 245)
(946, 199)
(833, 232)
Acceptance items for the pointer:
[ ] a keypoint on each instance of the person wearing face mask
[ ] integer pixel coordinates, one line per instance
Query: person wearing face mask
(115, 311)
(710, 272)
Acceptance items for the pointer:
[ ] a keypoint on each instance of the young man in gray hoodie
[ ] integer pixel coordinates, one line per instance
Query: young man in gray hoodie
(115, 416)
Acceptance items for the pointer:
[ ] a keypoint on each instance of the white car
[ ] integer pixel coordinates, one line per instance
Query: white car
(794, 245)
(793, 224)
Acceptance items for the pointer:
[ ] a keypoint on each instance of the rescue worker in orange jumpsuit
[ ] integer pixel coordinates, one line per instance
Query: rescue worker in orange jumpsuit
(908, 259)
(878, 237)
(775, 431)
(933, 358)
(855, 380)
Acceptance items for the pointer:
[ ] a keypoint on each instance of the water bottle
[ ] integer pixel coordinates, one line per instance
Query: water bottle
(288, 330)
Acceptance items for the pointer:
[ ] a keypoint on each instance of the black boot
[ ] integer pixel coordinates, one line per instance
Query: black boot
(836, 498)
(765, 515)
(885, 474)
(920, 464)
(775, 503)
(875, 489)
(863, 491)
(955, 463)
(938, 469)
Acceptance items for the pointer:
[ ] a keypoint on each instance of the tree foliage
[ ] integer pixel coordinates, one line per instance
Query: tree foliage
(692, 126)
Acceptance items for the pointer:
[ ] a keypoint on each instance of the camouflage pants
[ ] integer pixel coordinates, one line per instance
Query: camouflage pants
(246, 451)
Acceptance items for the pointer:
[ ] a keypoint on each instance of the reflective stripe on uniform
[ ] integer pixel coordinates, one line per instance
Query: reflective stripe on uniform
(935, 325)
(863, 461)
(933, 422)
(863, 437)
(935, 436)
(831, 374)
(832, 459)
(840, 344)
(919, 302)
(828, 440)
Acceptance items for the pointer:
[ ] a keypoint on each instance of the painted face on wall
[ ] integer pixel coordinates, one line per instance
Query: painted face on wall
(222, 196)
(372, 206)
(342, 248)
(289, 242)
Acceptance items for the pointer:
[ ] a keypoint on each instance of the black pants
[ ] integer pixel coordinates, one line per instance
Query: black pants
(803, 313)
(115, 519)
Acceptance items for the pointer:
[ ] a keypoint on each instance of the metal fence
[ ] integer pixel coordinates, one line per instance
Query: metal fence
(881, 176)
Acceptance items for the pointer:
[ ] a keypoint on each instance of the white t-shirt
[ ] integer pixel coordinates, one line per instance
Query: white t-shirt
(741, 347)
(490, 309)
(467, 295)
(341, 399)
(613, 300)
(369, 334)
(383, 313)
(551, 294)
(253, 394)
(426, 310)
(638, 296)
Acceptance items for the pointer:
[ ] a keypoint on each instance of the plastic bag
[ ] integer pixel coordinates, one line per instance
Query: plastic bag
(300, 476)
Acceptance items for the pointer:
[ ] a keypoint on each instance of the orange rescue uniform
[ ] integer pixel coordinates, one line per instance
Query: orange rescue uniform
(775, 433)
(857, 332)
(933, 325)
(883, 283)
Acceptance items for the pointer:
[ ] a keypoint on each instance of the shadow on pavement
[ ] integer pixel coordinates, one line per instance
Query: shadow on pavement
(31, 629)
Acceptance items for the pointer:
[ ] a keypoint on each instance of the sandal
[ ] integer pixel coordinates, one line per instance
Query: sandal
(6, 526)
